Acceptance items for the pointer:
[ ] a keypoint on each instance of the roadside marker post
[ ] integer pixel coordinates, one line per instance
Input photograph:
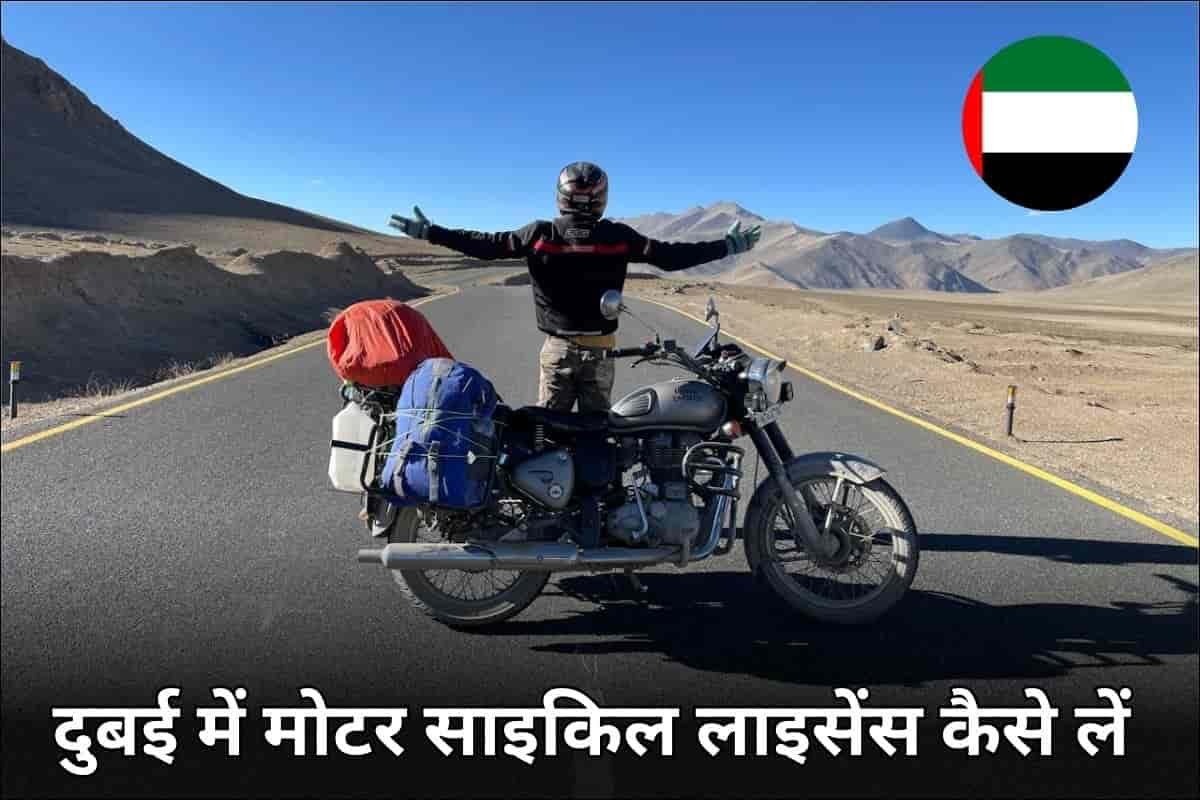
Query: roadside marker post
(1010, 406)
(14, 377)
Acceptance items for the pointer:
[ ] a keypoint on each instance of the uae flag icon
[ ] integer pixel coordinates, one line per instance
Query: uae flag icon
(1049, 123)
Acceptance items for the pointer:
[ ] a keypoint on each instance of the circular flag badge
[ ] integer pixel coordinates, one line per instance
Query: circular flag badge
(1049, 123)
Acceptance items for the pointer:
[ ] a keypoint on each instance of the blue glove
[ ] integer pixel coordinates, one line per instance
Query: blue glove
(417, 228)
(739, 241)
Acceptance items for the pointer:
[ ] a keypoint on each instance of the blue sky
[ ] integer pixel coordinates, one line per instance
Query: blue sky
(835, 116)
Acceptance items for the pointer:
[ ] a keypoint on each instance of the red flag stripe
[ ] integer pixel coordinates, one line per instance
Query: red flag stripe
(544, 246)
(972, 123)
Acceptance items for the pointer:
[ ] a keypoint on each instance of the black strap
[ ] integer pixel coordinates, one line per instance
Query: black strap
(434, 480)
(432, 415)
(362, 448)
(401, 458)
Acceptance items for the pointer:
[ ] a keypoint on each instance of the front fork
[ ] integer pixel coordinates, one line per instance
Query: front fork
(775, 451)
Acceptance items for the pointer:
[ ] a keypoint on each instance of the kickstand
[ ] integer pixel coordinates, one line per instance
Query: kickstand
(638, 586)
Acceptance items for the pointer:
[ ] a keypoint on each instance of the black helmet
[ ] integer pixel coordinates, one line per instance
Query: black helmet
(582, 190)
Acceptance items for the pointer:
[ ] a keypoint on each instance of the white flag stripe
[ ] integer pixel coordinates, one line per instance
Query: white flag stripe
(1059, 122)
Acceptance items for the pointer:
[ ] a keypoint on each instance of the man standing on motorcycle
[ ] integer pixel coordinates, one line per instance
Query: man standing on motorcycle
(573, 260)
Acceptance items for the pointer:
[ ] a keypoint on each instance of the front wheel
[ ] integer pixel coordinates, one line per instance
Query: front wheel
(872, 555)
(461, 598)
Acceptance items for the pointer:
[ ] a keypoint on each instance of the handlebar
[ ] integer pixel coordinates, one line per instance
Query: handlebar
(630, 352)
(714, 368)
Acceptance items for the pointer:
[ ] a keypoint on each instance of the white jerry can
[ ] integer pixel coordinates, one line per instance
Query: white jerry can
(350, 447)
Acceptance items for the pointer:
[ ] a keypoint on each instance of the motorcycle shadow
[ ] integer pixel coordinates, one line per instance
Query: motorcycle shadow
(1063, 551)
(726, 622)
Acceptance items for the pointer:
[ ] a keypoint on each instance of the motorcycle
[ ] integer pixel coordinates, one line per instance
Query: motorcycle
(657, 481)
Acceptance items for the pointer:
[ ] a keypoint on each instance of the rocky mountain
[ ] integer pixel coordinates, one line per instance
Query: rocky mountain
(1026, 263)
(66, 161)
(902, 254)
(1173, 281)
(68, 164)
(178, 284)
(908, 229)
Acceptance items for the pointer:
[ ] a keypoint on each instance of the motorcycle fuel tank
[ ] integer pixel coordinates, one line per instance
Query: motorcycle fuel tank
(677, 404)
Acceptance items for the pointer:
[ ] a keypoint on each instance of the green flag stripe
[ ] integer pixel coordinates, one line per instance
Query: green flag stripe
(1052, 64)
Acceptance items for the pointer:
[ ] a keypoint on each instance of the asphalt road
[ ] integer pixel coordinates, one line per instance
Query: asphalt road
(194, 542)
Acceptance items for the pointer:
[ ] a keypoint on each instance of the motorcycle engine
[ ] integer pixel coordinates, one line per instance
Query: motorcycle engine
(671, 518)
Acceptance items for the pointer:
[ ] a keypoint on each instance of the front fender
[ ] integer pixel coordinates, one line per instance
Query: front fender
(842, 465)
(809, 465)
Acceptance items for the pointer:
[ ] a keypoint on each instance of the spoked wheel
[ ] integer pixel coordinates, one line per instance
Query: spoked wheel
(462, 598)
(871, 550)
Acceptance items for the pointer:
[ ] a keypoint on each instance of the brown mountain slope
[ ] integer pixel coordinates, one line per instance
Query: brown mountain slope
(902, 254)
(1170, 282)
(68, 164)
(791, 255)
(116, 303)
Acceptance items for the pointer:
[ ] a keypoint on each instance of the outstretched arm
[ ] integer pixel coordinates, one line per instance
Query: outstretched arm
(674, 256)
(477, 244)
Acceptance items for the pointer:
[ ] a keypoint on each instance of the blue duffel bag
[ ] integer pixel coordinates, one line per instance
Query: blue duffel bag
(445, 444)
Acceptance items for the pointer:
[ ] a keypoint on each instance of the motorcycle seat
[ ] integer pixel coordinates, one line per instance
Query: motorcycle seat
(565, 421)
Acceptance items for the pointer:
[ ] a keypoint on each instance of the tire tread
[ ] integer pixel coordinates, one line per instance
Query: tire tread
(526, 589)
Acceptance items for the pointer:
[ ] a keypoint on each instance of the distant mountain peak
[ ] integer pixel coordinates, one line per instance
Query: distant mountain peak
(729, 205)
(733, 209)
(902, 254)
(906, 229)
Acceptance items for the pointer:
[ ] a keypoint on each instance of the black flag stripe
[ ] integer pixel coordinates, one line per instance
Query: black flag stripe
(1052, 181)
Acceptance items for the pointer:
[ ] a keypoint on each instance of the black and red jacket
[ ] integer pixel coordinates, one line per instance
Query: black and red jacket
(573, 261)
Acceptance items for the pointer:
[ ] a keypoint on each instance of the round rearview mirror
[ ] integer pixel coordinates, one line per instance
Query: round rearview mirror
(610, 304)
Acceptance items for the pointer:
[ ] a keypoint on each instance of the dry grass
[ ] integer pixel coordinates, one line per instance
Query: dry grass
(175, 369)
(181, 369)
(101, 392)
(101, 389)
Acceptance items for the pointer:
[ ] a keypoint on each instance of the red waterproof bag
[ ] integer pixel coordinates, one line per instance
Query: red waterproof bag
(380, 342)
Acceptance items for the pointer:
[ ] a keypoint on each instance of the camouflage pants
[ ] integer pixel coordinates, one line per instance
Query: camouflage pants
(569, 373)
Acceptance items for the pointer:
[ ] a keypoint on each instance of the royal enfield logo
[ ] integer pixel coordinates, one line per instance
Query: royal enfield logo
(689, 394)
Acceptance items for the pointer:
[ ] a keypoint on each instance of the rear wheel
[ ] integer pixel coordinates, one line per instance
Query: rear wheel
(461, 598)
(873, 547)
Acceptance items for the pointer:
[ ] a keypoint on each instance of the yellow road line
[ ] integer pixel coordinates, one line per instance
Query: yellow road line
(8, 447)
(1037, 472)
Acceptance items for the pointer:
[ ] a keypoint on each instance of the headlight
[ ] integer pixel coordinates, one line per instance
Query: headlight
(765, 378)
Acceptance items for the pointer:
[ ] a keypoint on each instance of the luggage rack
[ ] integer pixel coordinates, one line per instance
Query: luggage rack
(379, 448)
(376, 400)
(370, 397)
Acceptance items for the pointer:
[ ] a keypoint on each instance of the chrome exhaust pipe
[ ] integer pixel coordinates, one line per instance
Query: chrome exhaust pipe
(526, 556)
(605, 558)
(551, 556)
